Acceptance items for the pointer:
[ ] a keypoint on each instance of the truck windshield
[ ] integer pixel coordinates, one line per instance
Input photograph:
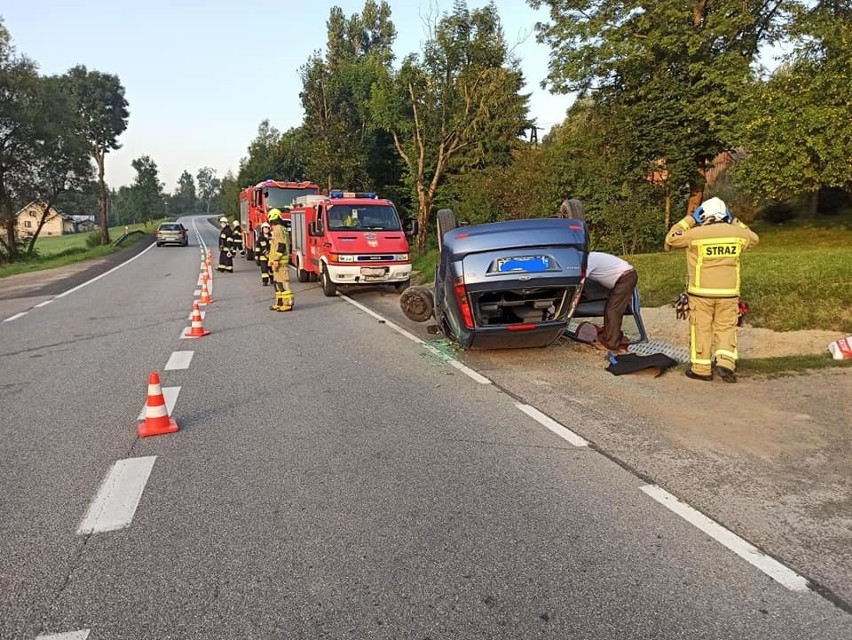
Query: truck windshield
(278, 198)
(363, 217)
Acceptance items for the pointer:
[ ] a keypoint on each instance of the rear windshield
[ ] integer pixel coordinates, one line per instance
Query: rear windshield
(170, 227)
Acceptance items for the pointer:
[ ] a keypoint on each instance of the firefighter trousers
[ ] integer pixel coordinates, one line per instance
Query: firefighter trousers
(712, 333)
(281, 282)
(265, 274)
(226, 261)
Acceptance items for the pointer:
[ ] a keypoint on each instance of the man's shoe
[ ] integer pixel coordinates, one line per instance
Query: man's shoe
(697, 376)
(726, 374)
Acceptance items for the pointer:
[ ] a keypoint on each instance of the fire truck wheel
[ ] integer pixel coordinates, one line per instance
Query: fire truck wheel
(329, 289)
(301, 274)
(399, 287)
(446, 222)
(417, 303)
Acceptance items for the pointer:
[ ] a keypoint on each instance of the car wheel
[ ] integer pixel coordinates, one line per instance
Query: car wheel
(301, 274)
(417, 303)
(329, 289)
(159, 244)
(572, 208)
(399, 287)
(446, 222)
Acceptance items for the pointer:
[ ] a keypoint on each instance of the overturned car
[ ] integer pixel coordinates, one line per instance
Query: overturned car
(503, 284)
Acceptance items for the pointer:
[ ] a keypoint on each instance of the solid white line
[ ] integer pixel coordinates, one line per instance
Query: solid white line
(771, 567)
(562, 431)
(377, 316)
(103, 275)
(44, 304)
(16, 316)
(170, 395)
(477, 377)
(68, 635)
(179, 360)
(118, 496)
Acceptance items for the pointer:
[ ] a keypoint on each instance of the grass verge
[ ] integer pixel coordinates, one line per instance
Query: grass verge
(789, 365)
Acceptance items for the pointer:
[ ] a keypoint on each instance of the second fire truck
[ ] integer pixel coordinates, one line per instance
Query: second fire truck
(257, 200)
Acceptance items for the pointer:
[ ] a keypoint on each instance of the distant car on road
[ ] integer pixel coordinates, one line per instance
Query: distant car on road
(172, 233)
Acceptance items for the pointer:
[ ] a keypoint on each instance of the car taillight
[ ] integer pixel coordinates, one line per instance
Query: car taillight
(464, 303)
(521, 327)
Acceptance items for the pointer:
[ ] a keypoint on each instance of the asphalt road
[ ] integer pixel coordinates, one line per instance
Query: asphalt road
(332, 478)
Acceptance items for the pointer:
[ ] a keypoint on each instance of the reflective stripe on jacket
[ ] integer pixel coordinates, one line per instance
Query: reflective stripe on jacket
(712, 255)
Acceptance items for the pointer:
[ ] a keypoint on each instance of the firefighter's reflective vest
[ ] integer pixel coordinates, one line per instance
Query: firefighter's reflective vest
(712, 255)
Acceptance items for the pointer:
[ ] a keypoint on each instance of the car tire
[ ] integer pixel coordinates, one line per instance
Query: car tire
(329, 289)
(399, 287)
(572, 208)
(446, 221)
(417, 303)
(159, 244)
(301, 274)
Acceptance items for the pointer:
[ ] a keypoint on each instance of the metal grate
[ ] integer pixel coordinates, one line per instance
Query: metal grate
(679, 353)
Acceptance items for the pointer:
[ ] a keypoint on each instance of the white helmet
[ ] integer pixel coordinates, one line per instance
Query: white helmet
(713, 210)
(223, 219)
(265, 225)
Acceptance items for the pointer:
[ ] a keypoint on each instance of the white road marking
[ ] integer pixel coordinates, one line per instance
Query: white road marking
(16, 316)
(103, 275)
(44, 304)
(197, 292)
(562, 431)
(118, 496)
(452, 362)
(68, 635)
(170, 395)
(771, 567)
(201, 311)
(179, 360)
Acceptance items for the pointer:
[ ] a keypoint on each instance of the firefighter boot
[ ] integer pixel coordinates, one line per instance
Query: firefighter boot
(286, 301)
(278, 296)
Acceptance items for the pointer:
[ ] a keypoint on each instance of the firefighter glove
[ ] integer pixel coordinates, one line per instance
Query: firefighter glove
(682, 307)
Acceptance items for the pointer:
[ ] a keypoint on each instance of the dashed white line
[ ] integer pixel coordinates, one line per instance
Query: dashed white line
(201, 311)
(68, 635)
(16, 316)
(197, 292)
(170, 395)
(118, 496)
(179, 360)
(748, 552)
(562, 431)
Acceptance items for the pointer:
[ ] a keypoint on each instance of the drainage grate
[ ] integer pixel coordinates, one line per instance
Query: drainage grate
(681, 354)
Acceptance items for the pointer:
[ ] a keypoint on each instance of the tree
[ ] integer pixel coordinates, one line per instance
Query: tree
(146, 192)
(795, 127)
(463, 94)
(208, 186)
(185, 197)
(20, 131)
(61, 163)
(674, 71)
(336, 95)
(102, 116)
(274, 155)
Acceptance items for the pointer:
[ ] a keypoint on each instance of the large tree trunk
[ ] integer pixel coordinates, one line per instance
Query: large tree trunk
(813, 205)
(424, 207)
(102, 198)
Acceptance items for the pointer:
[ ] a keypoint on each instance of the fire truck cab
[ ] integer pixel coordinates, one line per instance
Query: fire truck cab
(349, 238)
(256, 201)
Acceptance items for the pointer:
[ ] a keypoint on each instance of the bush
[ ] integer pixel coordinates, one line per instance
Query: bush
(778, 212)
(93, 239)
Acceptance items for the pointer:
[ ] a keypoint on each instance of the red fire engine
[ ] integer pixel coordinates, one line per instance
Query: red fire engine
(270, 194)
(348, 238)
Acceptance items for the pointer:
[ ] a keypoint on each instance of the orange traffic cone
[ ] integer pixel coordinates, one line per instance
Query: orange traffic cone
(205, 294)
(157, 420)
(196, 330)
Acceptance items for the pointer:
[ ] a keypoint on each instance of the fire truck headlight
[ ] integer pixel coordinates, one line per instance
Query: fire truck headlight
(401, 257)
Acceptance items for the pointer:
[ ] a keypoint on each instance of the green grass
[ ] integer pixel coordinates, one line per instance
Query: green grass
(772, 367)
(798, 277)
(59, 251)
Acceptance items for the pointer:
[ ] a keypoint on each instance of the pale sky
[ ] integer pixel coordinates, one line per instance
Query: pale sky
(200, 76)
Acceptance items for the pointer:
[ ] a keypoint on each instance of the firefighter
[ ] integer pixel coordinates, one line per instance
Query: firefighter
(237, 235)
(714, 241)
(261, 252)
(226, 247)
(279, 256)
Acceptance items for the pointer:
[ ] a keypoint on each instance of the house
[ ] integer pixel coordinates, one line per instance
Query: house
(57, 223)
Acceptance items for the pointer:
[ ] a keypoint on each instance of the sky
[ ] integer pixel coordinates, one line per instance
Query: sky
(201, 76)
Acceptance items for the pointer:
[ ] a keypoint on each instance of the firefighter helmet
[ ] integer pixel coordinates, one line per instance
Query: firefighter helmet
(223, 219)
(273, 215)
(235, 223)
(265, 225)
(714, 210)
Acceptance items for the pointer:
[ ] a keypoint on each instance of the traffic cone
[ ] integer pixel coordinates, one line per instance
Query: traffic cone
(196, 330)
(205, 294)
(157, 420)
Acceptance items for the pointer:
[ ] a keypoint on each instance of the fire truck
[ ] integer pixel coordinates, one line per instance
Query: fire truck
(270, 194)
(348, 238)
